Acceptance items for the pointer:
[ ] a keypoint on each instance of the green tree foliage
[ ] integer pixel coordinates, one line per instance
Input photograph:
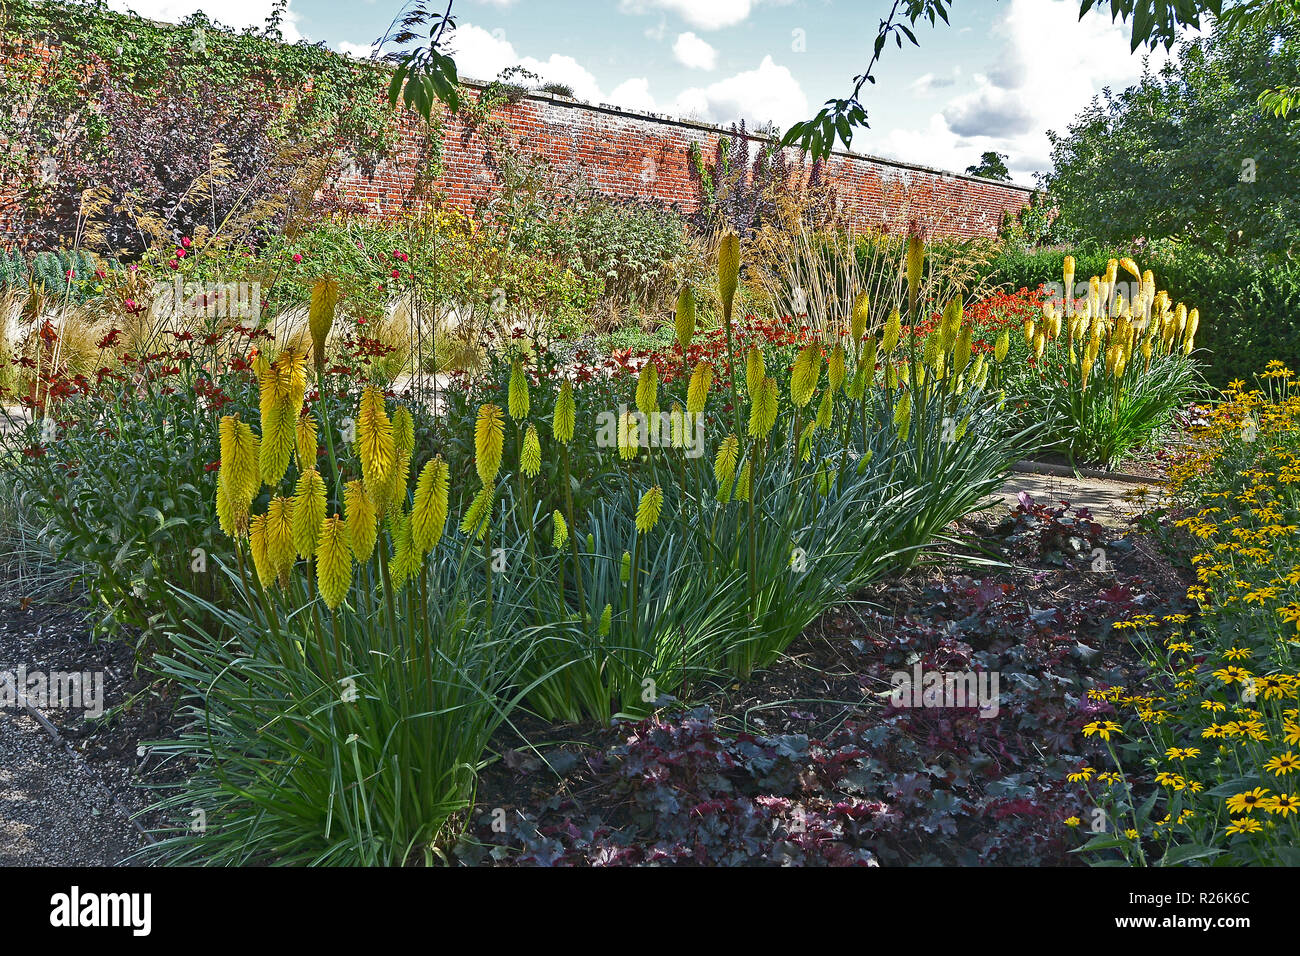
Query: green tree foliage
(1187, 153)
(992, 165)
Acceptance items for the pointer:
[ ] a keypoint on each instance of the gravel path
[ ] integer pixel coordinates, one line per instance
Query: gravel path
(54, 810)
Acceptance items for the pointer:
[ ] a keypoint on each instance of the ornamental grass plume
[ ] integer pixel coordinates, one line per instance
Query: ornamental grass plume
(762, 411)
(562, 424)
(684, 320)
(649, 509)
(429, 510)
(647, 389)
(530, 455)
(333, 562)
(697, 393)
(805, 374)
(362, 520)
(517, 400)
(320, 318)
(375, 442)
(306, 441)
(308, 512)
(489, 440)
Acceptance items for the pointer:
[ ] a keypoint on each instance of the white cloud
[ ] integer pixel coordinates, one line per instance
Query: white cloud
(361, 51)
(705, 14)
(695, 53)
(633, 94)
(768, 94)
(231, 13)
(1048, 68)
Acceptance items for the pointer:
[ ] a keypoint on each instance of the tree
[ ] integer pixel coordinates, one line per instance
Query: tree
(992, 165)
(1154, 23)
(426, 74)
(1188, 153)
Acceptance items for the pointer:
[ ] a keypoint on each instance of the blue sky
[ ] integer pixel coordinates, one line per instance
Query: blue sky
(999, 77)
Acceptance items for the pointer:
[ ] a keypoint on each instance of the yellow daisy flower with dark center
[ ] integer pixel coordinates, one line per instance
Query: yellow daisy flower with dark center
(1283, 764)
(1248, 801)
(1284, 804)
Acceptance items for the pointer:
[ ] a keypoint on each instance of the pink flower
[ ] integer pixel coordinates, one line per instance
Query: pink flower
(185, 241)
(297, 257)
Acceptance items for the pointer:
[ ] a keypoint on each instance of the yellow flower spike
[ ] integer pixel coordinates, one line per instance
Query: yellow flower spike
(625, 567)
(742, 483)
(893, 329)
(961, 351)
(1129, 266)
(724, 463)
(1040, 343)
(825, 410)
(306, 441)
(868, 364)
(429, 511)
(479, 512)
(915, 268)
(762, 412)
(375, 443)
(836, 368)
(805, 440)
(648, 511)
(1029, 331)
(1112, 270)
(561, 536)
(950, 323)
(684, 321)
(933, 346)
(1067, 273)
(406, 558)
(647, 389)
(489, 439)
(333, 562)
(728, 271)
(1001, 347)
(803, 377)
(403, 432)
(517, 395)
(530, 458)
(677, 425)
(225, 513)
(279, 413)
(362, 520)
(1189, 334)
(565, 414)
(308, 512)
(903, 411)
(280, 548)
(861, 313)
(320, 317)
(755, 372)
(606, 620)
(238, 480)
(697, 393)
(629, 437)
(257, 545)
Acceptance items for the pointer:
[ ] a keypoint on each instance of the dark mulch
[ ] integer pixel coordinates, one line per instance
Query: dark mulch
(554, 779)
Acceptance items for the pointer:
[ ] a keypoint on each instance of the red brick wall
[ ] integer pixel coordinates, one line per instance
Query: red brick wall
(641, 155)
